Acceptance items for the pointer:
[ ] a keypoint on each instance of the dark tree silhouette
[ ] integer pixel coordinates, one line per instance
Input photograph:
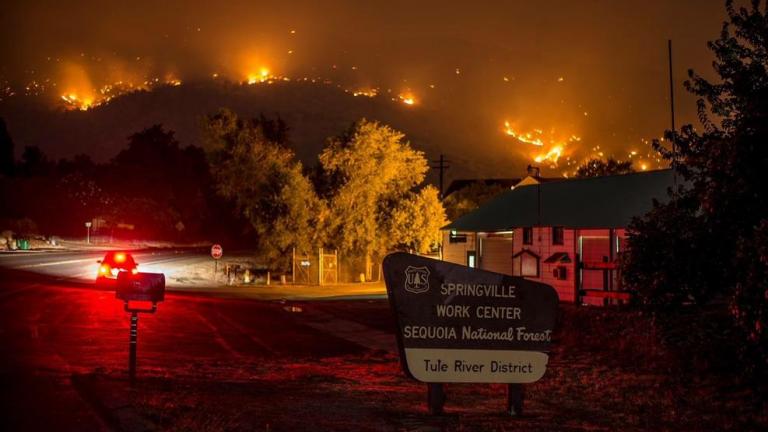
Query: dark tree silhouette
(7, 157)
(34, 163)
(599, 167)
(155, 169)
(724, 168)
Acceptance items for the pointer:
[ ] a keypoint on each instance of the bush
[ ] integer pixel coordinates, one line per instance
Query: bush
(749, 304)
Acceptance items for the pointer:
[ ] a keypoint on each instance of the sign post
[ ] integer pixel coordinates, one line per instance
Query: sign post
(216, 253)
(88, 232)
(132, 342)
(462, 325)
(141, 287)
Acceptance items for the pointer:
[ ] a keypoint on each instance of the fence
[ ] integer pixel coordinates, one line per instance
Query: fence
(316, 268)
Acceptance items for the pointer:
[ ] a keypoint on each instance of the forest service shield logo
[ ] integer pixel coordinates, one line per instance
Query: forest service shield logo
(416, 279)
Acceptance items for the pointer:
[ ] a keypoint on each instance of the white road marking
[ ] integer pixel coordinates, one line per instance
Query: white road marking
(55, 263)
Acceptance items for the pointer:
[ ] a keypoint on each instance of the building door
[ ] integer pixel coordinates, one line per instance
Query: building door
(597, 267)
(496, 254)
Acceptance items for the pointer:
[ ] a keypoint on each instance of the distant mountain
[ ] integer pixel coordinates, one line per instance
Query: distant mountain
(312, 111)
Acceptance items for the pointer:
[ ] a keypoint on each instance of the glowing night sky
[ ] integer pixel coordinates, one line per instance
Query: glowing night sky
(589, 77)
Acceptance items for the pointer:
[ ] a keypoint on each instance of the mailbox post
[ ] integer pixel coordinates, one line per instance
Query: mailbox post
(139, 287)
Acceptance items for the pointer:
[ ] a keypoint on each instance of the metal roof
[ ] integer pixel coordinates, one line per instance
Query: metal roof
(596, 202)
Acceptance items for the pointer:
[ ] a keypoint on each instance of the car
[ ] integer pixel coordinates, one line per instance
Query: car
(113, 263)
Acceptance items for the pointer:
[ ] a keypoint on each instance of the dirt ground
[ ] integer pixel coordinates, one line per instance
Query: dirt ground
(610, 370)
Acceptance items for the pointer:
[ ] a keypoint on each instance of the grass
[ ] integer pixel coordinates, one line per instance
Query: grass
(610, 370)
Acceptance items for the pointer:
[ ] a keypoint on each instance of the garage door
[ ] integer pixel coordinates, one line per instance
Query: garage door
(594, 250)
(497, 255)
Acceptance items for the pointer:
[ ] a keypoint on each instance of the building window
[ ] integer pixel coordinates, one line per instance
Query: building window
(526, 264)
(471, 259)
(455, 237)
(557, 236)
(560, 273)
(527, 236)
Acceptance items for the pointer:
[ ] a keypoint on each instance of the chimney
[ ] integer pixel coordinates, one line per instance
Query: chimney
(534, 171)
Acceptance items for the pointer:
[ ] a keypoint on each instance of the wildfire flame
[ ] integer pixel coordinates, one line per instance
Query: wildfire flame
(75, 102)
(552, 155)
(552, 149)
(526, 137)
(407, 98)
(260, 77)
(367, 92)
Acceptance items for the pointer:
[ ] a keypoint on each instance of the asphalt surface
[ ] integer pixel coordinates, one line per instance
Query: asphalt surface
(82, 265)
(55, 324)
(187, 270)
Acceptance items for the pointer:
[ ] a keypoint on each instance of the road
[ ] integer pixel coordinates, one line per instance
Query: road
(186, 270)
(82, 265)
(55, 325)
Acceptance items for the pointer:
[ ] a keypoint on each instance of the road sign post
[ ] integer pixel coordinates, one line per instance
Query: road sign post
(88, 232)
(216, 253)
(515, 398)
(462, 325)
(435, 398)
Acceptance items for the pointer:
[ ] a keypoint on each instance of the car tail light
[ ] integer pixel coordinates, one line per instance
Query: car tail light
(104, 269)
(134, 271)
(119, 257)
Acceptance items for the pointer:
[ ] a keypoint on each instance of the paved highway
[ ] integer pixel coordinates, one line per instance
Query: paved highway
(186, 270)
(82, 265)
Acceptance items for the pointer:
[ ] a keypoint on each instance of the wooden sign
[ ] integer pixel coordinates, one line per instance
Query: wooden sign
(459, 324)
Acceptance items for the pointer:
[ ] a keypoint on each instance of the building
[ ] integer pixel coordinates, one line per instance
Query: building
(565, 233)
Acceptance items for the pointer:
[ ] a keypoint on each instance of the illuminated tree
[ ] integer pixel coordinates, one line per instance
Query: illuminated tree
(599, 167)
(724, 168)
(368, 175)
(266, 185)
(415, 223)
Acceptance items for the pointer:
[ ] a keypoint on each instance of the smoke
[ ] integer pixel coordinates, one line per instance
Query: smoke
(596, 69)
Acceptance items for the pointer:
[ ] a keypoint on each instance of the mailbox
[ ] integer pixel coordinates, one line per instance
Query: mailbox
(141, 287)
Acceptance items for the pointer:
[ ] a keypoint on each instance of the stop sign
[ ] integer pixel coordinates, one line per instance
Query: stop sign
(217, 251)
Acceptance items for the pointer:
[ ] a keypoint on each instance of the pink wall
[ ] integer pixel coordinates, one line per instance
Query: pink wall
(497, 256)
(543, 247)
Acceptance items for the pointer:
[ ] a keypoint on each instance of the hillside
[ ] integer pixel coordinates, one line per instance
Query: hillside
(312, 111)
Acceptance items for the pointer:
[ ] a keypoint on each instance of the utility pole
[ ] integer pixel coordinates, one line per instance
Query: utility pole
(671, 93)
(441, 164)
(672, 113)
